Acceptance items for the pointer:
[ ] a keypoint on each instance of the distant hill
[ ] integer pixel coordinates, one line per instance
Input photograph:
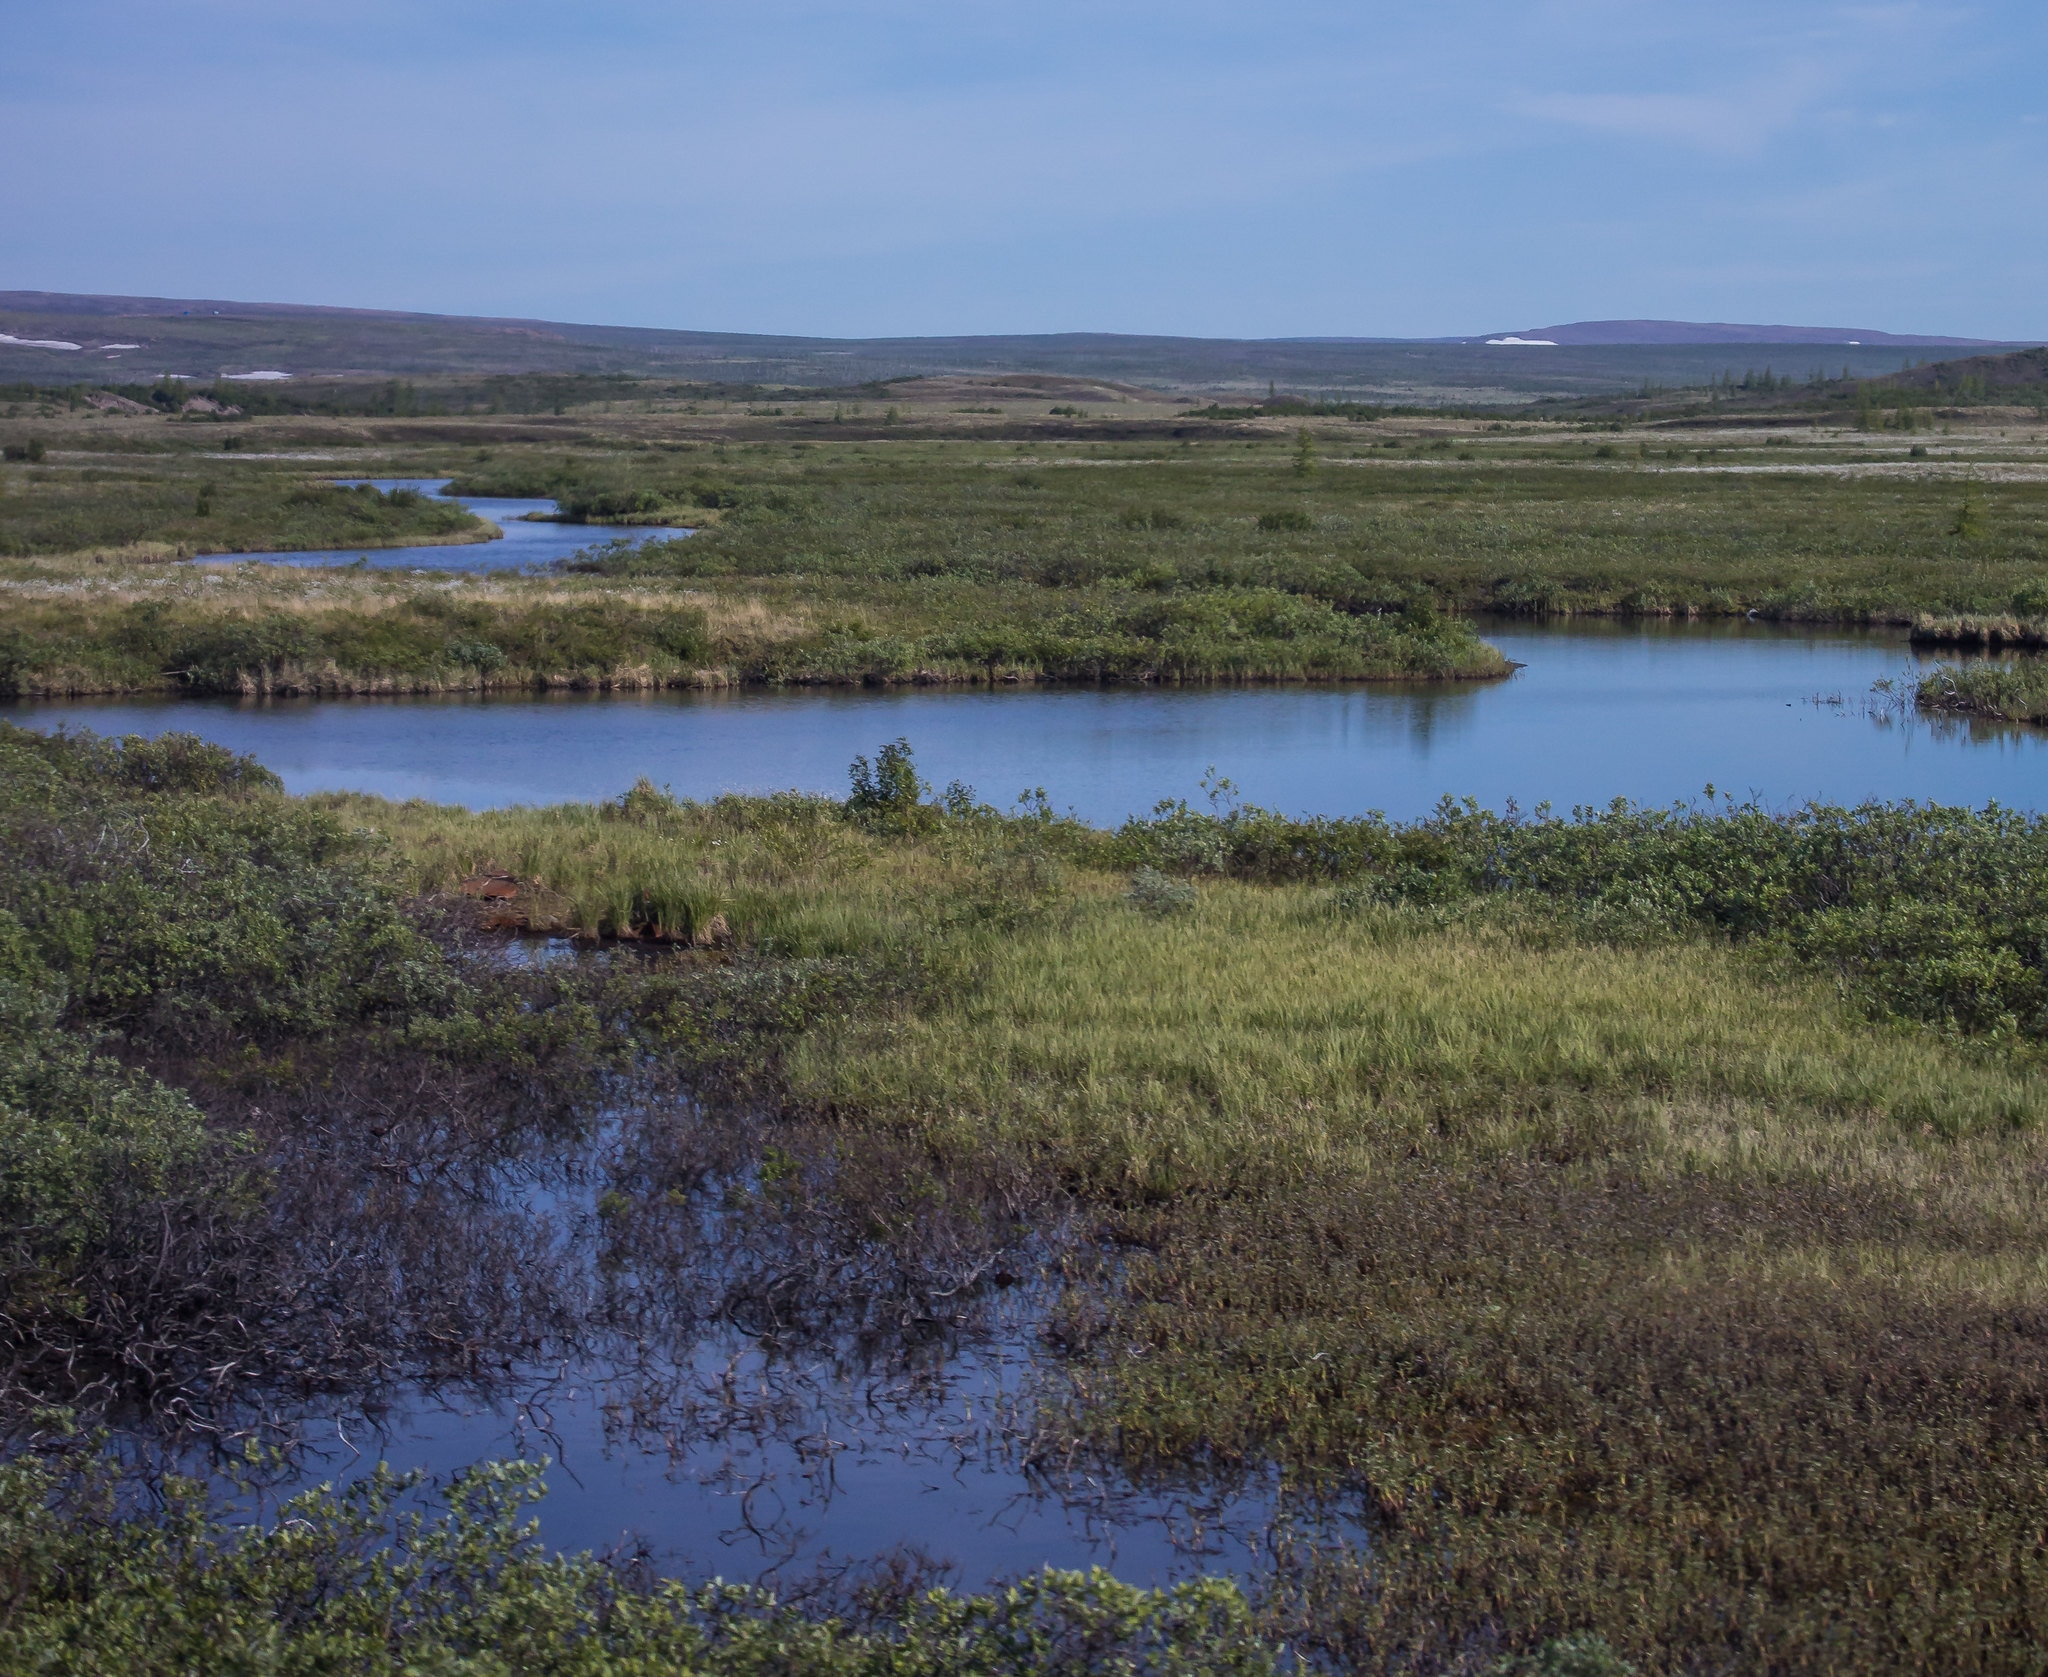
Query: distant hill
(65, 338)
(1719, 332)
(1987, 377)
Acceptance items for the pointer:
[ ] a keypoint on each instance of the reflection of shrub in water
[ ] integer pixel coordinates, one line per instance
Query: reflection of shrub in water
(349, 1580)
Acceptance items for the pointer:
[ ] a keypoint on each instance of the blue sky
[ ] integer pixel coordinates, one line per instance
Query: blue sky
(899, 166)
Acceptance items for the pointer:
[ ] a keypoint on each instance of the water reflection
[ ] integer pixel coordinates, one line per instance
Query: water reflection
(1651, 712)
(747, 1349)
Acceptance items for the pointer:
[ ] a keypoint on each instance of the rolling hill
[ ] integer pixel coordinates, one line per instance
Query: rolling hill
(53, 337)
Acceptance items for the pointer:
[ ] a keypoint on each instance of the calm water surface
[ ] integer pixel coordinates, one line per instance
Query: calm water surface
(1599, 711)
(524, 546)
(831, 1484)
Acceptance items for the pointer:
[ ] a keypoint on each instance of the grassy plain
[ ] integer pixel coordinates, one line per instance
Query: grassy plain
(881, 540)
(1639, 1216)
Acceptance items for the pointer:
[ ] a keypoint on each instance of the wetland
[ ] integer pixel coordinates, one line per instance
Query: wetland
(624, 1019)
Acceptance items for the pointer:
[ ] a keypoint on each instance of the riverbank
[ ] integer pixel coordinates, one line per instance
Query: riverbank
(266, 630)
(190, 505)
(1989, 633)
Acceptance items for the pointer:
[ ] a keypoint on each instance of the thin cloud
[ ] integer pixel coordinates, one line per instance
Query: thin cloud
(1736, 125)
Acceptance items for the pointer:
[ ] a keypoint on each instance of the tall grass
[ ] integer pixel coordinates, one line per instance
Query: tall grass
(248, 634)
(425, 642)
(245, 512)
(1269, 1034)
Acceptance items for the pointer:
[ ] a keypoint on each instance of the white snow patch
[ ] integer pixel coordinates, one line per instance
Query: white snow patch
(250, 377)
(35, 343)
(1547, 343)
(120, 346)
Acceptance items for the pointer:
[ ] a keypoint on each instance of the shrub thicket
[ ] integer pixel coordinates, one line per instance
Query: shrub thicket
(1921, 912)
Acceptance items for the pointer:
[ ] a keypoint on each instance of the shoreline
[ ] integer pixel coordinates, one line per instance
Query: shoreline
(343, 684)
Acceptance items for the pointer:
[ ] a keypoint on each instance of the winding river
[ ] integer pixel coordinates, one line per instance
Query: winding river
(531, 539)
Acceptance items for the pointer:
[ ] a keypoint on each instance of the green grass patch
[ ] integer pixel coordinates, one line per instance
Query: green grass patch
(193, 509)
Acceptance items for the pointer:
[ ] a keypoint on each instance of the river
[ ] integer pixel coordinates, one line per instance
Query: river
(531, 539)
(1652, 712)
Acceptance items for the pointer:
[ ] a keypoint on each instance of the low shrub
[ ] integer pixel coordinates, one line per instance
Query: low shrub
(1925, 913)
(1152, 892)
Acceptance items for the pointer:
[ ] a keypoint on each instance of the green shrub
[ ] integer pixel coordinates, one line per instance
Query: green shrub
(1567, 1656)
(1152, 892)
(887, 790)
(1284, 519)
(583, 502)
(1922, 913)
(477, 655)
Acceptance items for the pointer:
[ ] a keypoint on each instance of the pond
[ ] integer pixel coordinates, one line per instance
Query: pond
(528, 543)
(1651, 712)
(686, 1398)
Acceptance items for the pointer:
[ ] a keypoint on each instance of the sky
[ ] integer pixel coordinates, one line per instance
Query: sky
(1431, 167)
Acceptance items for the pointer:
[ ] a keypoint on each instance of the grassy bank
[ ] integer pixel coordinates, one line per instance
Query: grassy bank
(930, 545)
(253, 630)
(190, 505)
(2005, 630)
